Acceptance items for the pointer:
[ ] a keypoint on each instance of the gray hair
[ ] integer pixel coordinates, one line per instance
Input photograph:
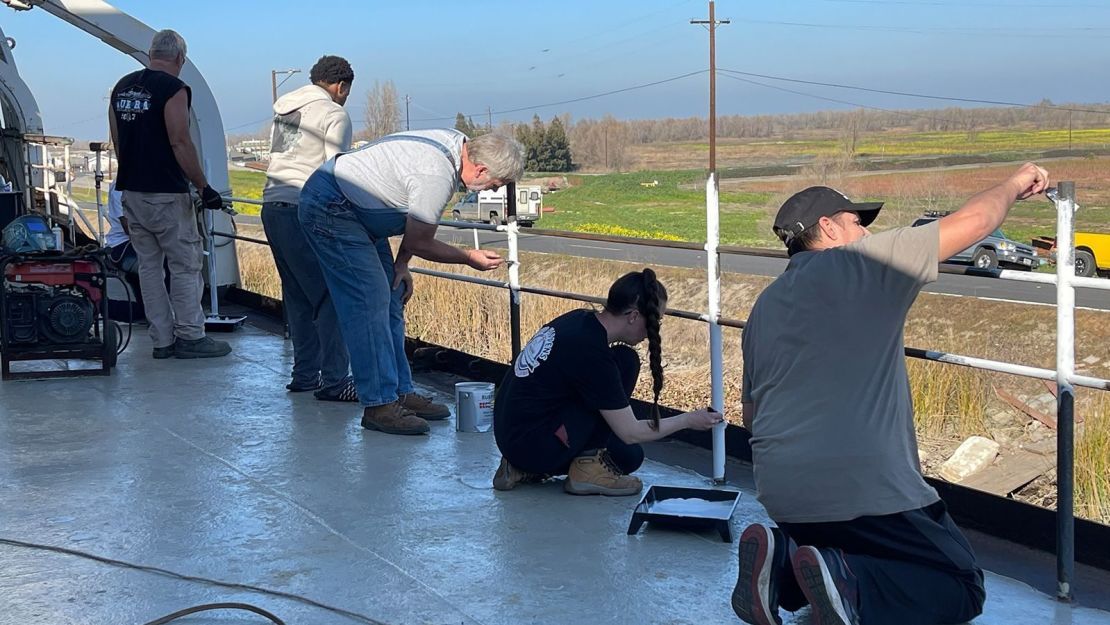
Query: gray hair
(166, 45)
(503, 156)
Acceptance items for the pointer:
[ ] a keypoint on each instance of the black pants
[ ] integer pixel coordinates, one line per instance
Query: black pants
(913, 567)
(544, 451)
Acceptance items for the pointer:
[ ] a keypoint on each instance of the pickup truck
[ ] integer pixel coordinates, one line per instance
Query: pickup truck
(996, 249)
(490, 206)
(1092, 254)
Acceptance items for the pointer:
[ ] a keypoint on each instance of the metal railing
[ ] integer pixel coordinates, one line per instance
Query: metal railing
(1064, 374)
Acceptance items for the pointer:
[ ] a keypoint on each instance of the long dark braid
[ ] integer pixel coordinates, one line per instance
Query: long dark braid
(642, 291)
(651, 304)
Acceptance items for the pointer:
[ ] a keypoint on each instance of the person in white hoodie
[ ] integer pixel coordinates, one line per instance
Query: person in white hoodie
(310, 127)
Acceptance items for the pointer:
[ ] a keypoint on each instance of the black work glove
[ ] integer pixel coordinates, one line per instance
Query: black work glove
(211, 199)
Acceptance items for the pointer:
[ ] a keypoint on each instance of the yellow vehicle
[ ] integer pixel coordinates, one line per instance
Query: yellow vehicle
(1092, 254)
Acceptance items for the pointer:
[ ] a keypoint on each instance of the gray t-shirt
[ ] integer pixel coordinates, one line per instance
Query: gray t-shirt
(414, 177)
(824, 364)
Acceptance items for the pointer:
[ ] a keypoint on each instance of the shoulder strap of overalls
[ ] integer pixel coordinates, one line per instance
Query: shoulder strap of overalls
(436, 144)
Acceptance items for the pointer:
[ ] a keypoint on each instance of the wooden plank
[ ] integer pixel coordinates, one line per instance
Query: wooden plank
(1010, 473)
(1048, 420)
(1051, 388)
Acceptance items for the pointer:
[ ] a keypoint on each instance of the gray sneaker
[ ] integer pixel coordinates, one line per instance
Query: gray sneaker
(203, 347)
(828, 584)
(161, 353)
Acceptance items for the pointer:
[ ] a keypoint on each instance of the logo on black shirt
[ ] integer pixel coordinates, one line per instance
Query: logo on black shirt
(132, 102)
(535, 352)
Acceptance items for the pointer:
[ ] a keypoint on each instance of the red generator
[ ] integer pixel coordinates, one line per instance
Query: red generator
(53, 307)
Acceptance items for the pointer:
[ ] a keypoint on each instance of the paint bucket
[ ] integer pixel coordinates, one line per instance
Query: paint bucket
(473, 406)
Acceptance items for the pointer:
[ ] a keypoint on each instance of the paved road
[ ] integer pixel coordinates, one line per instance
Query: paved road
(966, 286)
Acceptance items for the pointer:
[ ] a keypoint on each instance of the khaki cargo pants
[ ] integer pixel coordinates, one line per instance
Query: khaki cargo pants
(163, 228)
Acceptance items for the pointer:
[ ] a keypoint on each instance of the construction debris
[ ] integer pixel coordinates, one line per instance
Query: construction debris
(974, 454)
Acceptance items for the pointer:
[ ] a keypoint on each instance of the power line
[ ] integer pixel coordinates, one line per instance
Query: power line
(943, 30)
(265, 119)
(910, 94)
(968, 5)
(856, 104)
(572, 100)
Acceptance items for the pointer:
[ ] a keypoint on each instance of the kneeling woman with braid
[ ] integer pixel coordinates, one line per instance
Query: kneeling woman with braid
(563, 408)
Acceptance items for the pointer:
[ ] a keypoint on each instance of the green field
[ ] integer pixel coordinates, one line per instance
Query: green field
(247, 184)
(668, 209)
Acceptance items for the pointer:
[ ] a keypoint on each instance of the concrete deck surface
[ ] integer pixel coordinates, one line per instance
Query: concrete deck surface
(210, 468)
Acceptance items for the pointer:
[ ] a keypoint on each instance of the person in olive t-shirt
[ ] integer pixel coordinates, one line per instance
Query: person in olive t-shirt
(149, 118)
(563, 408)
(861, 536)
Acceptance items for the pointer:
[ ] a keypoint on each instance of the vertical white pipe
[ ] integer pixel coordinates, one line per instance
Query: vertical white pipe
(512, 230)
(716, 345)
(476, 245)
(1065, 290)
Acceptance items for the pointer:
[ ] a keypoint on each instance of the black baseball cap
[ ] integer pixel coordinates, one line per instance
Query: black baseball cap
(805, 208)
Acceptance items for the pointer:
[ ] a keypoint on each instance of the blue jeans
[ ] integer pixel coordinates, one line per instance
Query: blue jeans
(352, 244)
(318, 349)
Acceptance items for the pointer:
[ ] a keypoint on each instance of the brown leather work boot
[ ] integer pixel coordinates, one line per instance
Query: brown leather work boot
(508, 476)
(392, 419)
(424, 407)
(597, 474)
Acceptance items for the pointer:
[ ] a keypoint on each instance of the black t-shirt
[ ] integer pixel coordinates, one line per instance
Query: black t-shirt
(567, 362)
(146, 160)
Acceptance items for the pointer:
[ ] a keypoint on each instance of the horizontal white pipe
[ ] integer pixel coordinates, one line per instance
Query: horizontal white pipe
(1047, 278)
(1090, 283)
(245, 200)
(1006, 367)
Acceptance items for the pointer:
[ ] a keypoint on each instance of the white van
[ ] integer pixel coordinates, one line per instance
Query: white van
(489, 206)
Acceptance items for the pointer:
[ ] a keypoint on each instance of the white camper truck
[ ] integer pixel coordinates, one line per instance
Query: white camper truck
(489, 206)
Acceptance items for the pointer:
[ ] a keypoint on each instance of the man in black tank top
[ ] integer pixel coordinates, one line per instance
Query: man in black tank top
(149, 117)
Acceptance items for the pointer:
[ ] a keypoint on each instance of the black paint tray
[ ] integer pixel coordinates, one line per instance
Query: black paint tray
(672, 505)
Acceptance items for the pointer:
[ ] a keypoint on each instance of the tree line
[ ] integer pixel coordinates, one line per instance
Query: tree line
(563, 144)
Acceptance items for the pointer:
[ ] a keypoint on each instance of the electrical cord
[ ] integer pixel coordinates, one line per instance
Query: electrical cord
(215, 606)
(354, 616)
(130, 313)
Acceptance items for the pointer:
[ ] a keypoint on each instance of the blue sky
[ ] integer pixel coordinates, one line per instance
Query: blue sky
(467, 56)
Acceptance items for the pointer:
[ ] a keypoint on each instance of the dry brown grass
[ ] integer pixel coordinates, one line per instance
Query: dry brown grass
(952, 402)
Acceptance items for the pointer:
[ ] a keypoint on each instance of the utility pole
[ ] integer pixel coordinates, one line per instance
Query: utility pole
(712, 23)
(407, 100)
(489, 117)
(606, 147)
(274, 84)
(1070, 113)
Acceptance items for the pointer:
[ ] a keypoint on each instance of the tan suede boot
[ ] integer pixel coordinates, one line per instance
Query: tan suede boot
(597, 474)
(424, 407)
(392, 419)
(508, 476)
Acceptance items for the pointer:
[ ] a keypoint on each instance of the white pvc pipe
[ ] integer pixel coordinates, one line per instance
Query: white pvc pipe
(513, 232)
(1046, 278)
(1065, 292)
(716, 346)
(477, 246)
